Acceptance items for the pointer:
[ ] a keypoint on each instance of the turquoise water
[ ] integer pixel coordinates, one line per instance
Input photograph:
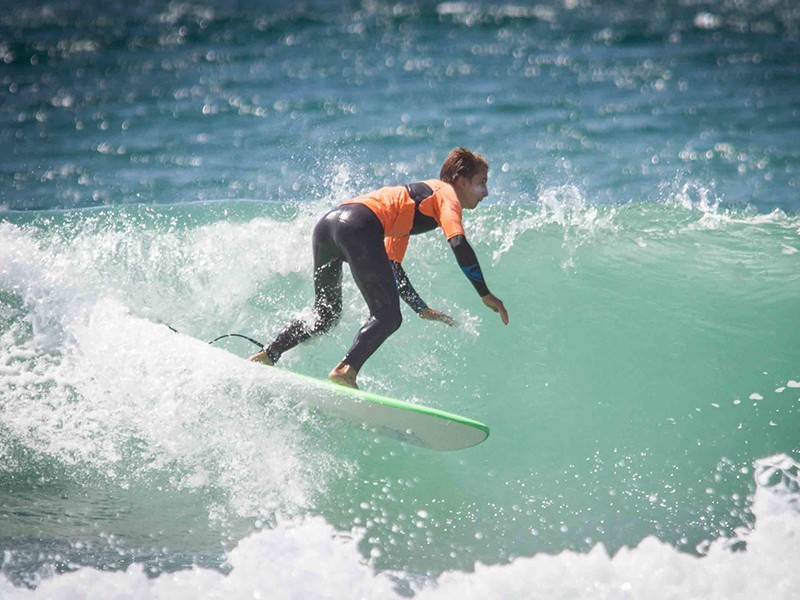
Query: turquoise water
(167, 165)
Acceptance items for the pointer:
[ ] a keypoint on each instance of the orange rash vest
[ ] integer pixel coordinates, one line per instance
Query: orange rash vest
(395, 209)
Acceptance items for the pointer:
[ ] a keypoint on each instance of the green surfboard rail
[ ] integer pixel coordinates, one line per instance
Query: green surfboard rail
(416, 424)
(388, 401)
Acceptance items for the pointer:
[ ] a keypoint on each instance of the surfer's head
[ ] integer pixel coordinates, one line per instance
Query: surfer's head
(468, 173)
(462, 162)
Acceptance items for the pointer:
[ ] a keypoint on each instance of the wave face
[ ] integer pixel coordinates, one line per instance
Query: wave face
(652, 354)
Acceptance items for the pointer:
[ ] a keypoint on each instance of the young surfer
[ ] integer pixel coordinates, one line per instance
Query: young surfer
(371, 234)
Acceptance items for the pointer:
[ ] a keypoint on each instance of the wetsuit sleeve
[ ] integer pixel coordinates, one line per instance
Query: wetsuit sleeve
(406, 290)
(468, 262)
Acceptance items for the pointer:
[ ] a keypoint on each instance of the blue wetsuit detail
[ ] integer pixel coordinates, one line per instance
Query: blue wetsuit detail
(473, 272)
(468, 262)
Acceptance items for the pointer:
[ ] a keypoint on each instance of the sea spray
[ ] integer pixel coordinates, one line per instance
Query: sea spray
(307, 558)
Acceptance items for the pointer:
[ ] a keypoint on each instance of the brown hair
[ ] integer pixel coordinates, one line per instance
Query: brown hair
(462, 163)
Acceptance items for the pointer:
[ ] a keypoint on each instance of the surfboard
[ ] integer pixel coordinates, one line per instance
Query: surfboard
(408, 422)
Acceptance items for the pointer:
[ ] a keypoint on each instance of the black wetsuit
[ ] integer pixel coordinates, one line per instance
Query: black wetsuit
(353, 233)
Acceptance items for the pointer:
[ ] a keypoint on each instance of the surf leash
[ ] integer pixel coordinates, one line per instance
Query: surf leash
(239, 335)
(227, 335)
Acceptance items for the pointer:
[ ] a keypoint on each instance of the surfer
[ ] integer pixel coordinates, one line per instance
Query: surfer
(370, 233)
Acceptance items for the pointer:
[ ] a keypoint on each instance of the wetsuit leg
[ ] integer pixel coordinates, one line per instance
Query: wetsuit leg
(354, 234)
(327, 290)
(361, 241)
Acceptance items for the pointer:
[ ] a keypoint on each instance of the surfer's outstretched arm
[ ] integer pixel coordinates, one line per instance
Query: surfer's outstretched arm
(468, 262)
(413, 299)
(406, 290)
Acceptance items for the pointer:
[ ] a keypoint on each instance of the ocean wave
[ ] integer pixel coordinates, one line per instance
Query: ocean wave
(308, 558)
(598, 439)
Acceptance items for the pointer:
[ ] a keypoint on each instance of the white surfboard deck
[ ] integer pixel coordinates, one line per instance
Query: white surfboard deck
(412, 423)
(405, 421)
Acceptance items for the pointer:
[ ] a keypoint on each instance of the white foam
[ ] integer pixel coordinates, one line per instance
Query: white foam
(297, 559)
(82, 377)
(308, 559)
(565, 206)
(654, 569)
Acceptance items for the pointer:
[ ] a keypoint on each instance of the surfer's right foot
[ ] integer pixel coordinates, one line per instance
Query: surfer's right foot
(343, 374)
(262, 357)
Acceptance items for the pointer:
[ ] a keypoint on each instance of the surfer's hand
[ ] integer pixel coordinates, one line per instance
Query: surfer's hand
(496, 305)
(434, 315)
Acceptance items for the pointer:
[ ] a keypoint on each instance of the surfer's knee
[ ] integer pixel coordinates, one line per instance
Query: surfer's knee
(391, 321)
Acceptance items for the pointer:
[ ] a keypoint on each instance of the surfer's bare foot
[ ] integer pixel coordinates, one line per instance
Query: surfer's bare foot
(262, 357)
(343, 374)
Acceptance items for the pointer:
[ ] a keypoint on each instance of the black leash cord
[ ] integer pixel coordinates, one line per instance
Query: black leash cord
(227, 335)
(249, 339)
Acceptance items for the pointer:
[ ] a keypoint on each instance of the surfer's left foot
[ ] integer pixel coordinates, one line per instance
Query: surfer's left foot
(262, 357)
(343, 374)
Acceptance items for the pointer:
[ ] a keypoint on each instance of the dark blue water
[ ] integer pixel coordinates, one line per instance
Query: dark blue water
(107, 104)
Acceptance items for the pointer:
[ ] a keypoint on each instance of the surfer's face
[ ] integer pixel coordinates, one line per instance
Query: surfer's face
(471, 191)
